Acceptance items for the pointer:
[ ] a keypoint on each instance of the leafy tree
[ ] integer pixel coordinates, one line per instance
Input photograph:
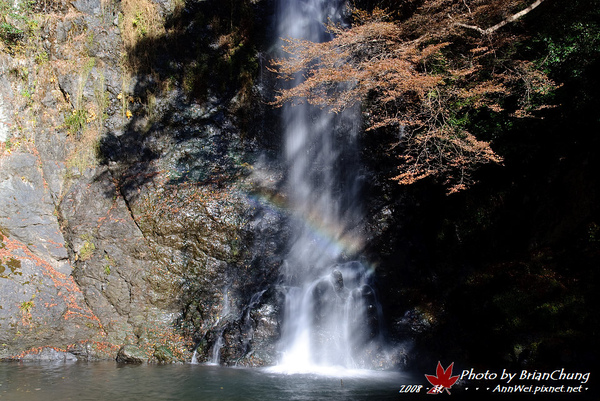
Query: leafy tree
(422, 71)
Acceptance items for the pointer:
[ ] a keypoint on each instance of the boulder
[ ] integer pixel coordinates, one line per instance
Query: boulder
(131, 354)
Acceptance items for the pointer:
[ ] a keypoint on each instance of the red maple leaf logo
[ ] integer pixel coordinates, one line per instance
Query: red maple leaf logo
(442, 380)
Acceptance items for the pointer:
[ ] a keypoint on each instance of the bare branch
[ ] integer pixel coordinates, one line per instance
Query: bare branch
(508, 20)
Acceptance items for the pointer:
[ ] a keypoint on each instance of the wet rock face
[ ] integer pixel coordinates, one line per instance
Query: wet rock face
(189, 193)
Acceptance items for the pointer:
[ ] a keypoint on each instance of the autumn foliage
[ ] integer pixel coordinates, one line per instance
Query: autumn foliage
(420, 74)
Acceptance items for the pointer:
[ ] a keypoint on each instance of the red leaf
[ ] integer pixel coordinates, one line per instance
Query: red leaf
(443, 379)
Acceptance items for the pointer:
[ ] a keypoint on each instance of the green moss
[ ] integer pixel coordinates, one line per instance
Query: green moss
(109, 263)
(41, 57)
(26, 306)
(76, 120)
(9, 33)
(88, 248)
(14, 265)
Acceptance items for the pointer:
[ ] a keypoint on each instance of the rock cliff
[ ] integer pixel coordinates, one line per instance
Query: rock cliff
(127, 211)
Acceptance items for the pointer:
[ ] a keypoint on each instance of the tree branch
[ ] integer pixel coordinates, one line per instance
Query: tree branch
(499, 25)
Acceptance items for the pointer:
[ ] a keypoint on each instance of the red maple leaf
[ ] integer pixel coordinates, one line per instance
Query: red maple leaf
(442, 380)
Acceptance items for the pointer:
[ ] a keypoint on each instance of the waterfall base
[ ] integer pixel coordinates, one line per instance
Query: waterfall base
(332, 323)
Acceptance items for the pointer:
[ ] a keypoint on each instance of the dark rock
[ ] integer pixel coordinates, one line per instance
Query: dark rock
(338, 280)
(265, 335)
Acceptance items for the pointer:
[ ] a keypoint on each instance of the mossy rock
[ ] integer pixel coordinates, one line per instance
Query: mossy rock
(131, 354)
(164, 355)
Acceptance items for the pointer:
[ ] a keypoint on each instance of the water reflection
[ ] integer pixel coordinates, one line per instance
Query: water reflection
(110, 381)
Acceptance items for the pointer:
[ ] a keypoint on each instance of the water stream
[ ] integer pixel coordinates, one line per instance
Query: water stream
(80, 381)
(331, 315)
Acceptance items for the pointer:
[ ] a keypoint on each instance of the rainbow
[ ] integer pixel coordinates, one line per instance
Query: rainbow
(334, 239)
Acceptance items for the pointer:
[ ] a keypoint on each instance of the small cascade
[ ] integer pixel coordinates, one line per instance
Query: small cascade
(216, 350)
(246, 321)
(219, 342)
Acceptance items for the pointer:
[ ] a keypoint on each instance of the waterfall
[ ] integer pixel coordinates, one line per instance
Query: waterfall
(331, 317)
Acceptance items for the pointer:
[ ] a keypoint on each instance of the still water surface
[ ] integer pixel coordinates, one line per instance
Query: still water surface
(113, 382)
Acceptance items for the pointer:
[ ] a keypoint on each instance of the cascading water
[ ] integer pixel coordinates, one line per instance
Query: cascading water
(331, 315)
